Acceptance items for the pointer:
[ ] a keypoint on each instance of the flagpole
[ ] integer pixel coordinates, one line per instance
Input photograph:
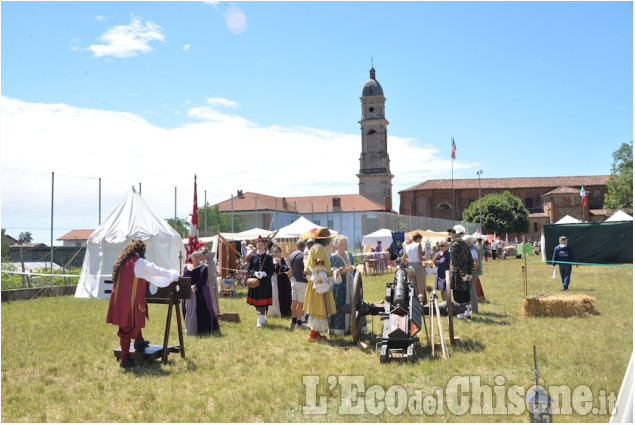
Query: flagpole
(453, 192)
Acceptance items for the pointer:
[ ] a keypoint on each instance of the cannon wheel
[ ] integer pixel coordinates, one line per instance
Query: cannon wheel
(357, 296)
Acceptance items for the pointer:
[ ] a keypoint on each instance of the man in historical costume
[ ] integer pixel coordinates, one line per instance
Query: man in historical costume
(470, 241)
(128, 308)
(563, 257)
(261, 268)
(461, 268)
(318, 300)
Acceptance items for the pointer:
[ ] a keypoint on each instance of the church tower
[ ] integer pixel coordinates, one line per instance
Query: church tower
(375, 180)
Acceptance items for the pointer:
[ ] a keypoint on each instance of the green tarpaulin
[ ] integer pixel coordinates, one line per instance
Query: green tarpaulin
(601, 243)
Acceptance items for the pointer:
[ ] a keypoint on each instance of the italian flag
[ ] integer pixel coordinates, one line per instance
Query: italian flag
(583, 195)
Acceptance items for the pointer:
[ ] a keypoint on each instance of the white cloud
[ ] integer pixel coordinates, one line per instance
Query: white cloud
(187, 47)
(227, 152)
(124, 41)
(219, 101)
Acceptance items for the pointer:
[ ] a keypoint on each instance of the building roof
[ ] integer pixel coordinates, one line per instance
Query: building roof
(74, 235)
(562, 190)
(6, 239)
(510, 183)
(251, 201)
(372, 86)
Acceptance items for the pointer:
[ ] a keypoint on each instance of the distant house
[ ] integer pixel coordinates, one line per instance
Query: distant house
(351, 214)
(547, 199)
(6, 239)
(76, 238)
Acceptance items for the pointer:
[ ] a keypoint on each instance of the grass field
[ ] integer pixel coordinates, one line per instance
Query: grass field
(58, 365)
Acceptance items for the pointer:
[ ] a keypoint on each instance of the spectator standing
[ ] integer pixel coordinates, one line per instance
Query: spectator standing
(298, 284)
(563, 256)
(413, 255)
(442, 262)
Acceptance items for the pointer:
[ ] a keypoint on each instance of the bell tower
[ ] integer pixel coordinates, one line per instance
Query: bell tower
(375, 179)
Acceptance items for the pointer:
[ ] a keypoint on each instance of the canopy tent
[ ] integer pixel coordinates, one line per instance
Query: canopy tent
(295, 229)
(429, 234)
(567, 219)
(593, 242)
(620, 216)
(247, 235)
(131, 219)
(383, 235)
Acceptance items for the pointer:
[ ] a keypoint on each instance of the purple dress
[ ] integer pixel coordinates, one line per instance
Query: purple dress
(200, 318)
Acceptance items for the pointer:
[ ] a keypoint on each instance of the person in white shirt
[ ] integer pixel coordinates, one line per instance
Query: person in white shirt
(414, 257)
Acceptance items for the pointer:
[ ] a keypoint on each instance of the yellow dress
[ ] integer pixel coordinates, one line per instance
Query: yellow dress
(318, 306)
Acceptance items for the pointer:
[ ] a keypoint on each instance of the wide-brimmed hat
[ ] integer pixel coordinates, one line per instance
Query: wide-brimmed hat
(469, 239)
(316, 233)
(458, 229)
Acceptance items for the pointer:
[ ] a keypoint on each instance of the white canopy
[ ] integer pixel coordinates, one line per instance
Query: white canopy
(383, 235)
(131, 219)
(567, 219)
(295, 229)
(620, 216)
(250, 234)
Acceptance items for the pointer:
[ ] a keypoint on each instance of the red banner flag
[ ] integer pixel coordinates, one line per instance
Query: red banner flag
(192, 242)
(453, 154)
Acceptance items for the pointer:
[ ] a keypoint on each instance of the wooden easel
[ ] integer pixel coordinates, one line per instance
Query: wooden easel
(170, 295)
(435, 312)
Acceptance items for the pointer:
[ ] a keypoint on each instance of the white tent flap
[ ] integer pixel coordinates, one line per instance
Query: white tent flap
(383, 235)
(131, 219)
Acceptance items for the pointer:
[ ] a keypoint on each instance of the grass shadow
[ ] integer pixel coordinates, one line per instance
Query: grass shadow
(468, 345)
(488, 321)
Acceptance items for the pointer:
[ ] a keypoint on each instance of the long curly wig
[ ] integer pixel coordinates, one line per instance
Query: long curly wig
(135, 246)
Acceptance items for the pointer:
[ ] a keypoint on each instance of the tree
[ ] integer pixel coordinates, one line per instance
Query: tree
(25, 237)
(502, 213)
(5, 247)
(217, 221)
(620, 184)
(182, 226)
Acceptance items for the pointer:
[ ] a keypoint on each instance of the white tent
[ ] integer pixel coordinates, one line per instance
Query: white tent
(567, 219)
(295, 229)
(383, 235)
(620, 216)
(250, 234)
(131, 219)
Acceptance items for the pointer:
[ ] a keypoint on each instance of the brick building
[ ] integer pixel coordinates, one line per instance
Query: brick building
(548, 199)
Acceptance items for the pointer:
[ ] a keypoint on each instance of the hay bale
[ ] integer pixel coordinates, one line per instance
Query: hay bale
(565, 305)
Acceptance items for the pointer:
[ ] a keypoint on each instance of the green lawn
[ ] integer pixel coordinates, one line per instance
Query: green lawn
(58, 366)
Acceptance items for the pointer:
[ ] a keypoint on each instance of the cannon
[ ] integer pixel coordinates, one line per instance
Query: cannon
(400, 312)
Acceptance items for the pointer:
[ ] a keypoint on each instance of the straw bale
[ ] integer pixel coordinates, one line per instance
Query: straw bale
(564, 305)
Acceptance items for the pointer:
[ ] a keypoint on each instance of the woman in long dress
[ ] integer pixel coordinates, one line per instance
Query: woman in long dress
(281, 268)
(318, 300)
(200, 318)
(343, 271)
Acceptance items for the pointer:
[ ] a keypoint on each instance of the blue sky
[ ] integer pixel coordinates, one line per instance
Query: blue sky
(250, 95)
